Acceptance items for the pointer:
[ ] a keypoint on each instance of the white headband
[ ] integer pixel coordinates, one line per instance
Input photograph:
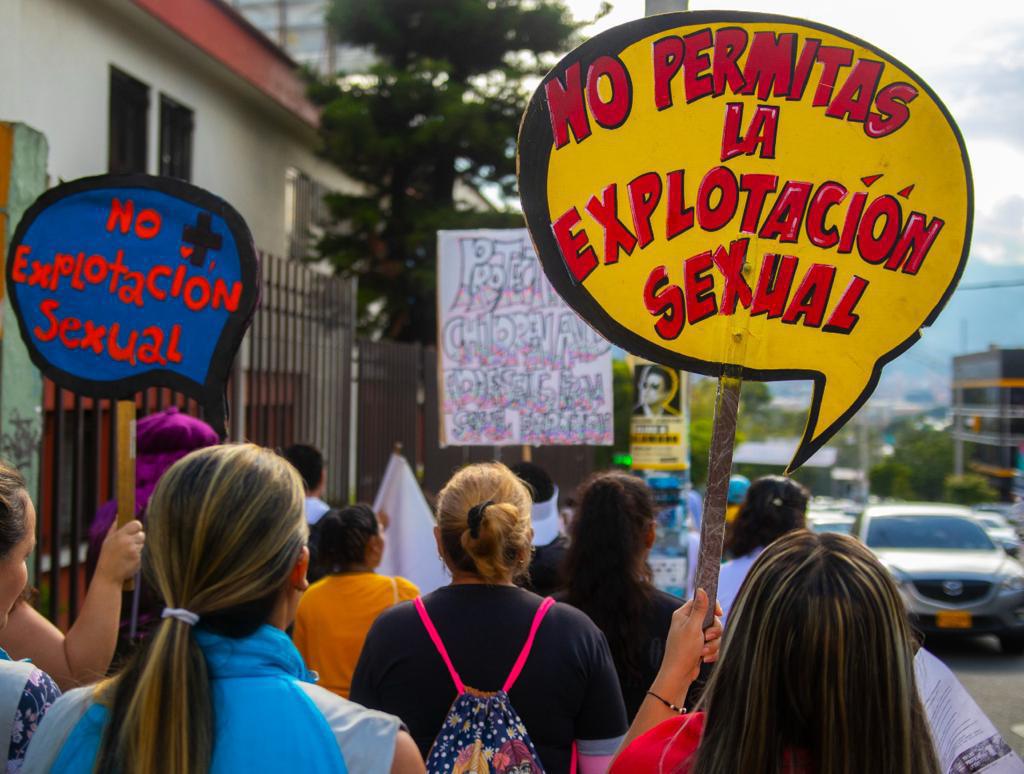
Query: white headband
(181, 614)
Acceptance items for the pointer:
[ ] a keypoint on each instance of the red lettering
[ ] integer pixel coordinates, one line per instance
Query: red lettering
(762, 131)
(679, 217)
(69, 325)
(565, 107)
(757, 186)
(730, 43)
(149, 351)
(730, 264)
(154, 290)
(802, 71)
(666, 300)
(722, 180)
(125, 354)
(120, 215)
(700, 287)
(117, 268)
(825, 198)
(842, 319)
(577, 253)
(850, 224)
(853, 101)
(173, 355)
(48, 307)
(95, 269)
(76, 281)
(92, 337)
(40, 274)
(131, 291)
(917, 239)
(783, 222)
(21, 254)
(769, 64)
(833, 58)
(667, 58)
(644, 194)
(147, 225)
(606, 212)
(179, 280)
(613, 112)
(811, 297)
(696, 63)
(191, 301)
(893, 111)
(773, 285)
(222, 298)
(876, 248)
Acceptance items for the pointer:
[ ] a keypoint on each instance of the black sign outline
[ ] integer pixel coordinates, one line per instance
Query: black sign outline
(537, 140)
(209, 393)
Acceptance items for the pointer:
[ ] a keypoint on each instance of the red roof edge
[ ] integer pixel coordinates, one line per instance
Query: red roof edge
(224, 34)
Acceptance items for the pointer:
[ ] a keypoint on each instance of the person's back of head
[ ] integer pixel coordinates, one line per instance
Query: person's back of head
(344, 537)
(774, 505)
(817, 660)
(538, 481)
(483, 517)
(226, 529)
(606, 570)
(309, 462)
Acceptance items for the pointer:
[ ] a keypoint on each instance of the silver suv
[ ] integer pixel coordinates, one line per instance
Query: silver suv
(954, 579)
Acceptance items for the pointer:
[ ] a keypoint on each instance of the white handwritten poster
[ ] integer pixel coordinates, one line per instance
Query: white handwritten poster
(518, 366)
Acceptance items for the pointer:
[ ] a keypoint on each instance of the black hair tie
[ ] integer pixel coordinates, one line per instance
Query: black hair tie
(476, 516)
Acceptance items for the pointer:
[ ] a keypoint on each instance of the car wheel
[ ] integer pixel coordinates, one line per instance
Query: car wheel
(1013, 644)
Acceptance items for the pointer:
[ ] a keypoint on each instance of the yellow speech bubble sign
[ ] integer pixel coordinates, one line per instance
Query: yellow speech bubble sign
(767, 195)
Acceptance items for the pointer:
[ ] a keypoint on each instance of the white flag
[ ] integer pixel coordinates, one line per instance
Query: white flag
(410, 550)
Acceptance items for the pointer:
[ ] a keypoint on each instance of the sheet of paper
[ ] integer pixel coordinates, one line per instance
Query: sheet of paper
(965, 739)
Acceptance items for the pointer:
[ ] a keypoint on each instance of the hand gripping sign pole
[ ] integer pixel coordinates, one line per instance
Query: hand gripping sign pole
(747, 196)
(125, 282)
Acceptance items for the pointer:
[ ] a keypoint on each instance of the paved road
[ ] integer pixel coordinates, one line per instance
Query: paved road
(995, 681)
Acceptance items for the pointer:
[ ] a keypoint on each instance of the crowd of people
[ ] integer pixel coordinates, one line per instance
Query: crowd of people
(546, 652)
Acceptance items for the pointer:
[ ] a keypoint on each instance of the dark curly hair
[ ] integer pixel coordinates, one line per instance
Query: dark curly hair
(606, 570)
(774, 506)
(13, 504)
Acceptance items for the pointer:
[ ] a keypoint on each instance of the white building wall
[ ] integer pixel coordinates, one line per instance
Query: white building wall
(55, 59)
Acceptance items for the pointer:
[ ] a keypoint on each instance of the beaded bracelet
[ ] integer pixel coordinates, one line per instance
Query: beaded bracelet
(667, 703)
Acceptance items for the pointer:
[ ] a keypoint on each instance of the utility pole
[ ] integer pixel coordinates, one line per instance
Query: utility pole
(652, 7)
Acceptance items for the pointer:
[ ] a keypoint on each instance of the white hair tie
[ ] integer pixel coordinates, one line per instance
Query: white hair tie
(181, 614)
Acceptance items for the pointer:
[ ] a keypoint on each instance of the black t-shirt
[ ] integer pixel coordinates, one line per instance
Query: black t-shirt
(546, 567)
(653, 632)
(567, 690)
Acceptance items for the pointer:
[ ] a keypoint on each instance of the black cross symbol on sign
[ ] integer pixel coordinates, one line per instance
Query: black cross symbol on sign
(202, 237)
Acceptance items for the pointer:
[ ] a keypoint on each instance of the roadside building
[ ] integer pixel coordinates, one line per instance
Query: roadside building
(988, 415)
(188, 89)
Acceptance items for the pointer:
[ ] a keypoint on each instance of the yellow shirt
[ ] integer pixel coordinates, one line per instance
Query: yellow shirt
(334, 616)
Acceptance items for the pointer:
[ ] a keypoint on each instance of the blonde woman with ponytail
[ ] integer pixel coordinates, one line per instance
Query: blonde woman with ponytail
(566, 691)
(219, 687)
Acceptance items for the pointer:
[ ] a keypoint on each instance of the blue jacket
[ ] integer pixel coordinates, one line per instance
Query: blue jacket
(264, 720)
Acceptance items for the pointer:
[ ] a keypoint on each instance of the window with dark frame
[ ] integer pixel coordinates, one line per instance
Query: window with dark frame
(176, 124)
(128, 135)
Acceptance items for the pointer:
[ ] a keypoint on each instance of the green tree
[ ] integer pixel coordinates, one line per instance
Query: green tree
(891, 479)
(442, 105)
(969, 489)
(928, 455)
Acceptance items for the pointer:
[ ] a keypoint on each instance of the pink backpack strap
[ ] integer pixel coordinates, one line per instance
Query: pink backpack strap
(525, 653)
(436, 639)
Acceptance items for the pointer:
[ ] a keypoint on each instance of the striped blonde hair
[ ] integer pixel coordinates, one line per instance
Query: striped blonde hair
(494, 541)
(817, 659)
(225, 527)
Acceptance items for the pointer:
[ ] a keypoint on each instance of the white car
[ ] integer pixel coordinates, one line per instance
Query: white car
(1000, 530)
(951, 575)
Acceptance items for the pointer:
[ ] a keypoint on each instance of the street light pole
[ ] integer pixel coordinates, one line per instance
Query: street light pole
(652, 7)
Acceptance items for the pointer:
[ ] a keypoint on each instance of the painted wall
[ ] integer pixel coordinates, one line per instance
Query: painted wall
(55, 59)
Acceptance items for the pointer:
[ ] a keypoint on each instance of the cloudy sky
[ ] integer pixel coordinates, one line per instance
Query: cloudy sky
(972, 55)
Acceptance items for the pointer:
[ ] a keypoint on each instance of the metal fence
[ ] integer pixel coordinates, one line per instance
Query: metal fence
(300, 377)
(292, 380)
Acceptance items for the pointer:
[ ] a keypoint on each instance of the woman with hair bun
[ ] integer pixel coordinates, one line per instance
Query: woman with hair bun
(219, 687)
(336, 612)
(566, 691)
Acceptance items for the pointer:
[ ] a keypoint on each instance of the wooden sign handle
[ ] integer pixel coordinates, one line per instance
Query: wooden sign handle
(712, 524)
(126, 468)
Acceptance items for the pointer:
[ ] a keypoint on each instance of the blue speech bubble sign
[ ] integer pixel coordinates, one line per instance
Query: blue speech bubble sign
(124, 282)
